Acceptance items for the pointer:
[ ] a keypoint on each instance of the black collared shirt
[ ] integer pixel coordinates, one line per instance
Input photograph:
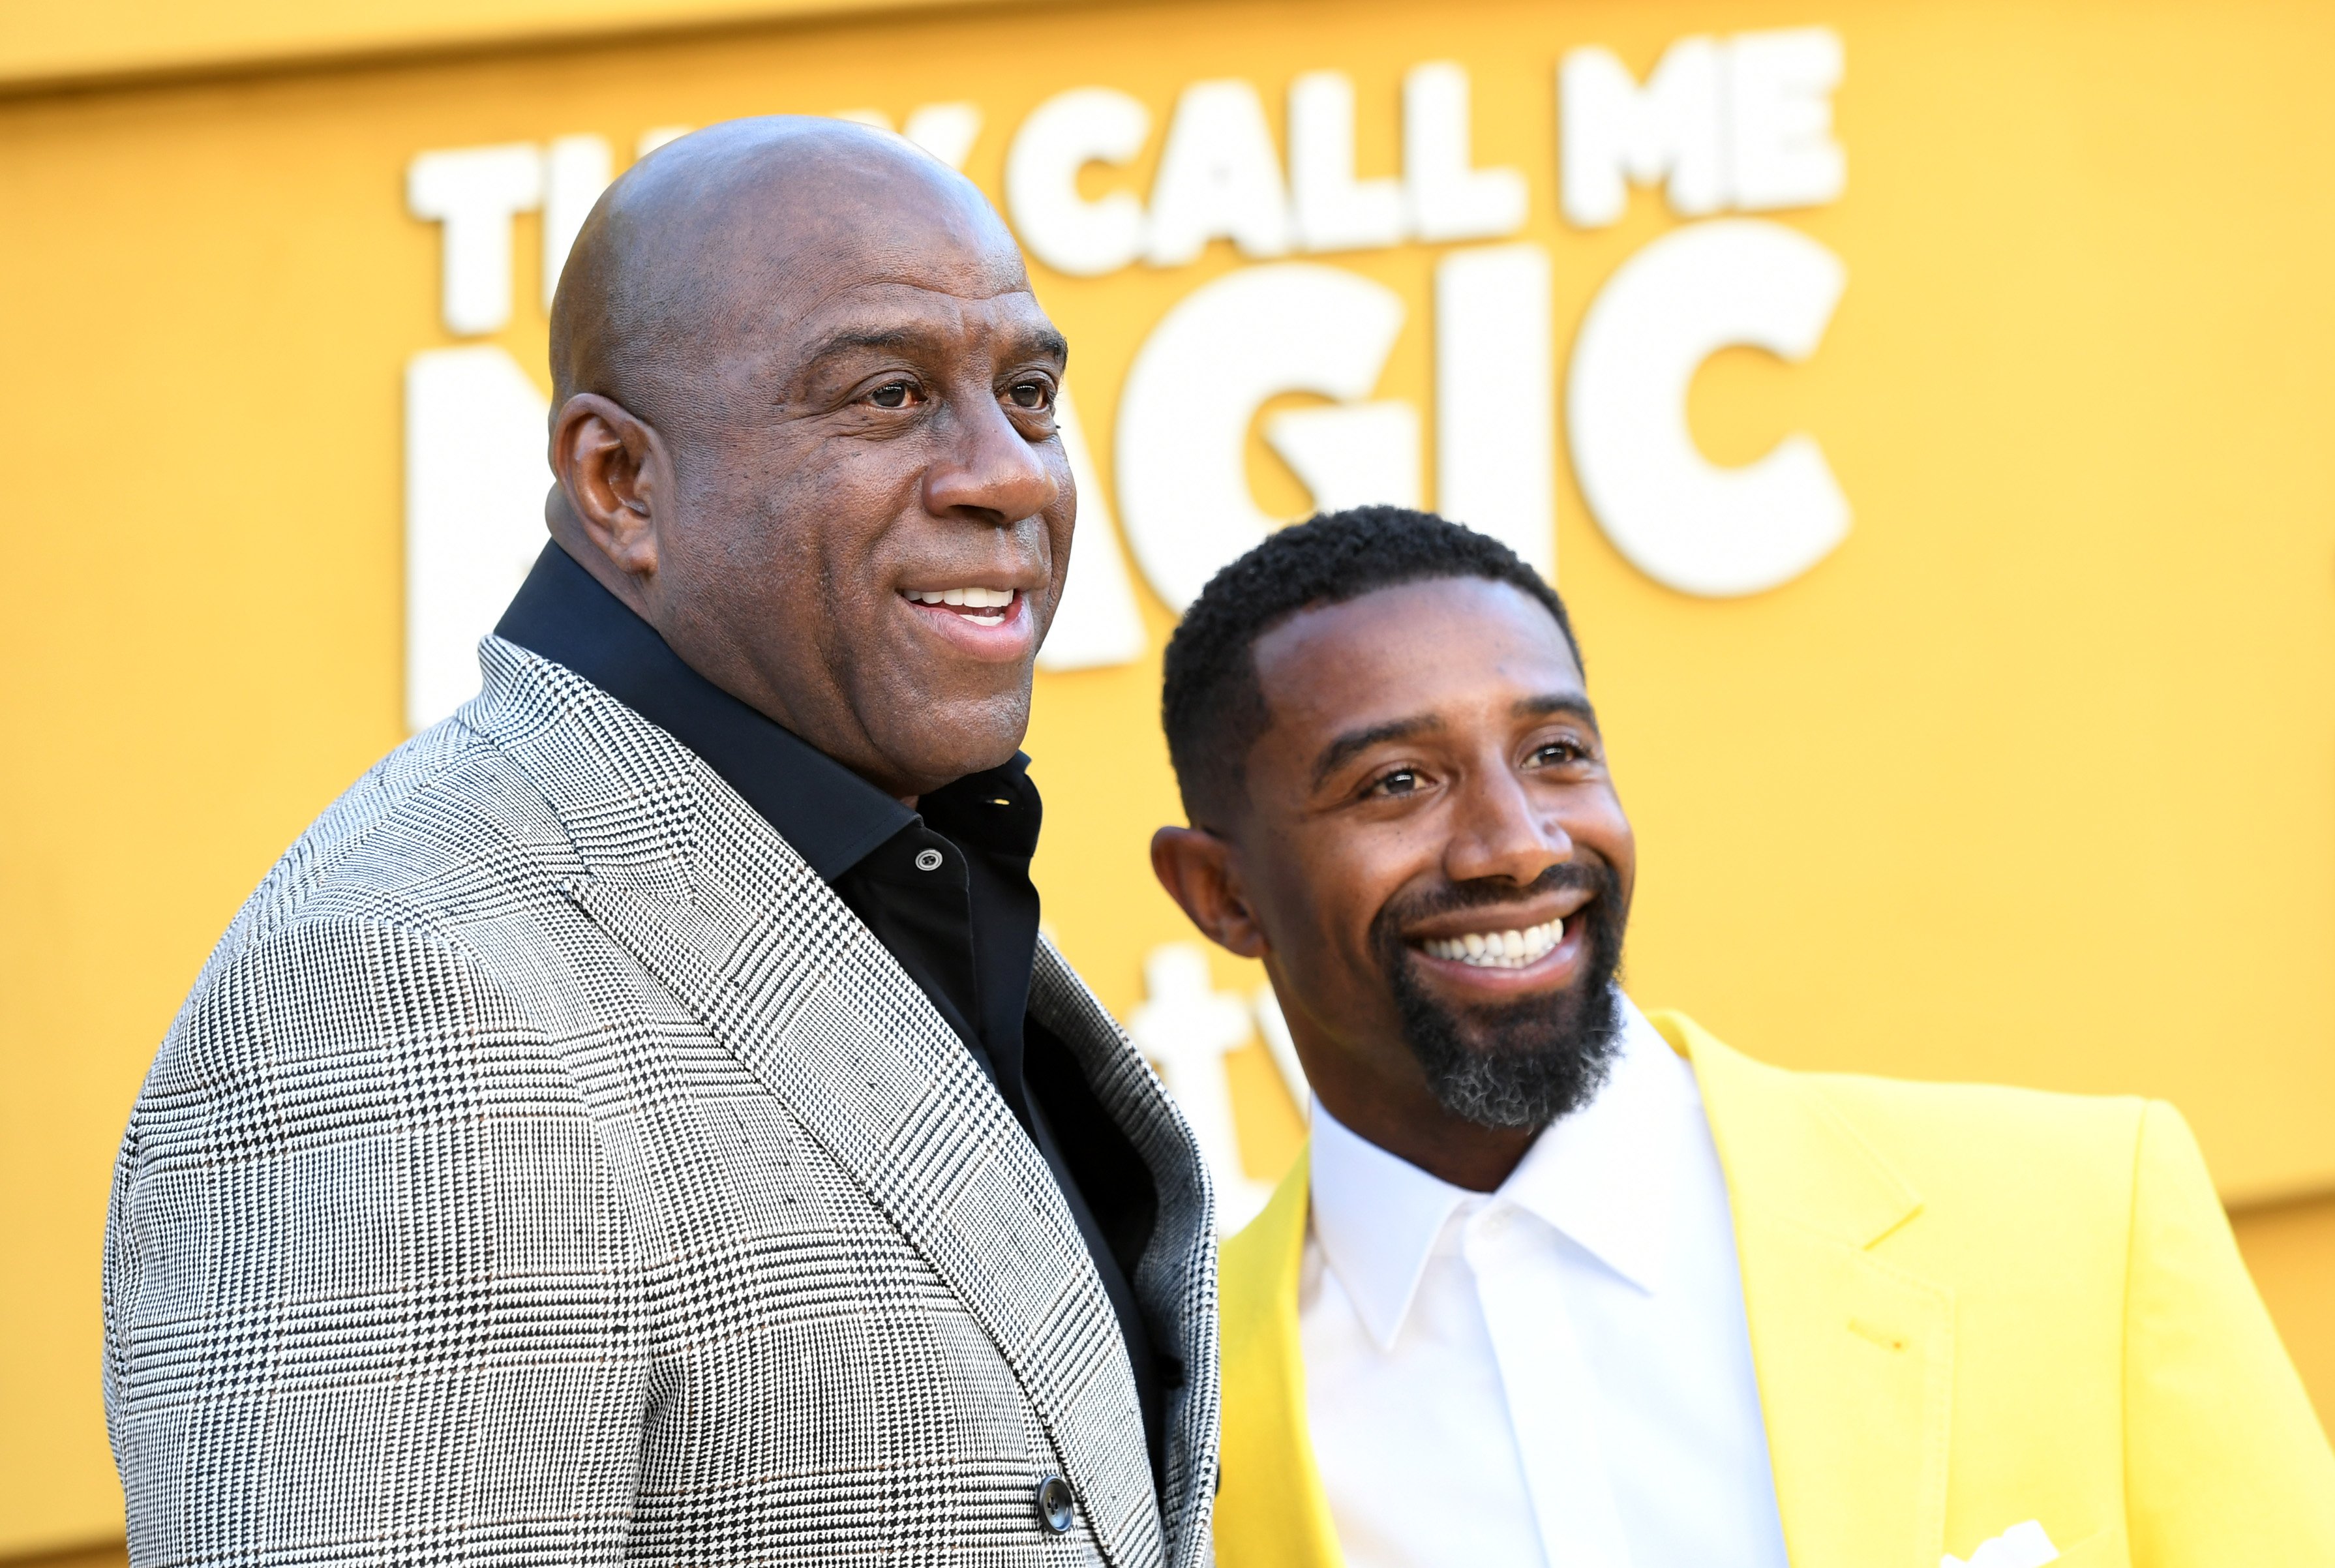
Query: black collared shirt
(946, 889)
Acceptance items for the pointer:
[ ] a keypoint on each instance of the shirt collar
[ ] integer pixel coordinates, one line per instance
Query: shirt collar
(1376, 1218)
(1604, 1178)
(1607, 1176)
(831, 815)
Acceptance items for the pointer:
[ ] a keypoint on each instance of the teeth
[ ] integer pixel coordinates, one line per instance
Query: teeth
(968, 599)
(1498, 949)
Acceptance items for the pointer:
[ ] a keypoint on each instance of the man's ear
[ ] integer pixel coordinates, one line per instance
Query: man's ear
(1201, 872)
(612, 470)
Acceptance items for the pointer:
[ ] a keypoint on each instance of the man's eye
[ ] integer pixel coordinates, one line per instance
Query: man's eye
(891, 395)
(1032, 394)
(1401, 781)
(1557, 753)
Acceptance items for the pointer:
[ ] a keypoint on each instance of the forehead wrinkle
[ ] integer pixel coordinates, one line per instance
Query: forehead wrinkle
(998, 272)
(1040, 340)
(894, 225)
(884, 291)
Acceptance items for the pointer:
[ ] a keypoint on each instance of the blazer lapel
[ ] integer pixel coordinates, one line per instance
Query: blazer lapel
(687, 878)
(1855, 1356)
(1176, 1280)
(1272, 1510)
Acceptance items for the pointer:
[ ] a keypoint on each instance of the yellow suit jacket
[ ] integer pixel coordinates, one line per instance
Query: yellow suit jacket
(1969, 1307)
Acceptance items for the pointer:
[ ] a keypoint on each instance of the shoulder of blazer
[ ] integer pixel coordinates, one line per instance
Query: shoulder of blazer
(630, 801)
(1909, 1254)
(446, 826)
(1860, 1155)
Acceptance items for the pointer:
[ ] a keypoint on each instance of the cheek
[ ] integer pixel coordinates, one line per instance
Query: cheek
(1059, 528)
(793, 470)
(1345, 884)
(821, 534)
(1603, 827)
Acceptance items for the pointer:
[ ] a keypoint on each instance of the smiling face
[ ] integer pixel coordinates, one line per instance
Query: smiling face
(1433, 864)
(830, 477)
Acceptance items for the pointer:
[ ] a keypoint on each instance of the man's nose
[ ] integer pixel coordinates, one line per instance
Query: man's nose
(1499, 832)
(988, 469)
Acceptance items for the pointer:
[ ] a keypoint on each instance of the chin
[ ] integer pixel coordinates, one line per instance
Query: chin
(938, 741)
(1519, 1048)
(1522, 1063)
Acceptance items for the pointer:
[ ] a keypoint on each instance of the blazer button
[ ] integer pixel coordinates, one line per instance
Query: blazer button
(928, 860)
(1054, 1510)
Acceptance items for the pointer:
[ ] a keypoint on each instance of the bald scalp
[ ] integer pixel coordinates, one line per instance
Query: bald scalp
(697, 251)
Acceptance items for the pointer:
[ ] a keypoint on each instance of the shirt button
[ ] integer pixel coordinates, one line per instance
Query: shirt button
(1055, 1505)
(928, 860)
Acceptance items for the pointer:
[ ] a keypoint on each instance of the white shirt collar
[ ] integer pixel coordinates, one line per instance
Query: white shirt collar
(1604, 1178)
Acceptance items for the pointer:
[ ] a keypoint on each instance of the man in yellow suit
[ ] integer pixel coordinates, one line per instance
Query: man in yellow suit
(1559, 1283)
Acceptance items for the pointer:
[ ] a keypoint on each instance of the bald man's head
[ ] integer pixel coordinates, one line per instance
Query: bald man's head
(802, 387)
(676, 258)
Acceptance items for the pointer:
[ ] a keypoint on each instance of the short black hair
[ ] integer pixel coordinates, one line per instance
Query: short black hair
(1210, 701)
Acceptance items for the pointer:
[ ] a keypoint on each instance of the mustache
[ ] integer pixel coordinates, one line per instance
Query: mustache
(1587, 873)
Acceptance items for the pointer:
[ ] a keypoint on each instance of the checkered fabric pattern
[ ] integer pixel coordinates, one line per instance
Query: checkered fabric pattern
(547, 1168)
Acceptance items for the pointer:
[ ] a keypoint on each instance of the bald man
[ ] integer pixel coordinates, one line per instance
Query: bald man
(640, 1121)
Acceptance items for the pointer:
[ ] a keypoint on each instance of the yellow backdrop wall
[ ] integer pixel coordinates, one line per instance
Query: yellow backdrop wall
(2031, 779)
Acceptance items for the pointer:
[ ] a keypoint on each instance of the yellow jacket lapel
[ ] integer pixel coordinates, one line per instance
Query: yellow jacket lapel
(1271, 1510)
(1855, 1357)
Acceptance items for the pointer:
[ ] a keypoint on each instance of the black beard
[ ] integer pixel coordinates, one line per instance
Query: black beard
(1522, 1064)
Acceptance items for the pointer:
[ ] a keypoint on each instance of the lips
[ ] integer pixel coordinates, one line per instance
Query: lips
(1508, 946)
(1513, 947)
(979, 621)
(1493, 943)
(976, 603)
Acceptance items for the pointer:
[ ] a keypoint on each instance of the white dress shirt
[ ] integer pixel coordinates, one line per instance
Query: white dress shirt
(1557, 1373)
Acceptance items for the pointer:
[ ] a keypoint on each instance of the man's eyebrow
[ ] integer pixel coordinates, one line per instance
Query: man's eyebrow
(846, 339)
(1354, 741)
(1549, 704)
(1044, 343)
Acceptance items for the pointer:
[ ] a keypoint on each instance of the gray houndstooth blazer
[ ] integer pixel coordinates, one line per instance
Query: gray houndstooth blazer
(547, 1168)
